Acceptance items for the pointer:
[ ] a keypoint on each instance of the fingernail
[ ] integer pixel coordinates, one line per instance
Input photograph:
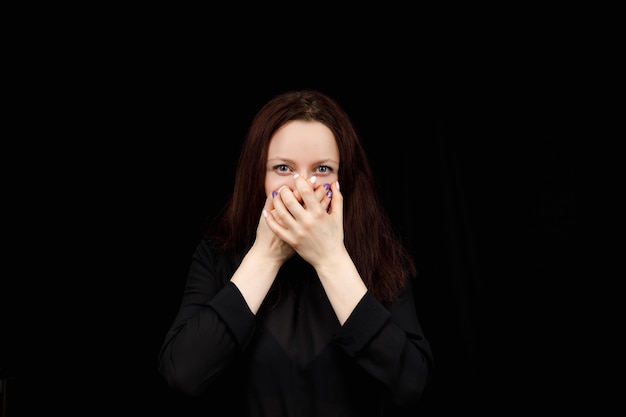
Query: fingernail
(329, 194)
(313, 179)
(296, 175)
(327, 186)
(337, 184)
(274, 194)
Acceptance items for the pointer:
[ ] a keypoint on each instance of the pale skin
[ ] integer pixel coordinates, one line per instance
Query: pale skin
(302, 217)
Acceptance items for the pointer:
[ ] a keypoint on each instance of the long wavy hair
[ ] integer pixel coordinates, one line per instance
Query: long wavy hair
(380, 257)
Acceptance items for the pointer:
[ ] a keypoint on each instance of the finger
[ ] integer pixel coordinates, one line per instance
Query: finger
(305, 188)
(281, 212)
(312, 182)
(269, 203)
(266, 218)
(272, 223)
(275, 212)
(269, 207)
(279, 219)
(324, 195)
(336, 200)
(321, 191)
(289, 199)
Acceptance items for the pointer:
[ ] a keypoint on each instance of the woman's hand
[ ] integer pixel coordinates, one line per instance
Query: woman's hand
(313, 224)
(267, 243)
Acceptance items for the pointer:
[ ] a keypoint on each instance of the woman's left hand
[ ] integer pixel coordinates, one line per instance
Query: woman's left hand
(311, 227)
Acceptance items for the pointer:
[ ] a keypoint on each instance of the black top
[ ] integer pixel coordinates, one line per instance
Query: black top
(293, 358)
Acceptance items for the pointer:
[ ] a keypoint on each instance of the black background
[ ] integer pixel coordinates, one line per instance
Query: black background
(125, 145)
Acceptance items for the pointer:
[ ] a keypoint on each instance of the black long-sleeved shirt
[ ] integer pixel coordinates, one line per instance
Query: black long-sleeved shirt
(293, 358)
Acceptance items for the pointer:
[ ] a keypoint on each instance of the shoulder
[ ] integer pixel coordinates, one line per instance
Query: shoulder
(209, 245)
(212, 252)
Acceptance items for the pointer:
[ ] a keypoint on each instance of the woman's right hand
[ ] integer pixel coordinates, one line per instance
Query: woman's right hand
(266, 242)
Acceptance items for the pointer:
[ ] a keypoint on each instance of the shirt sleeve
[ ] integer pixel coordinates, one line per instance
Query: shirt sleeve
(211, 328)
(389, 344)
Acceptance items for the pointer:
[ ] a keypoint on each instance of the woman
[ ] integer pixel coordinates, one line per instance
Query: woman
(298, 300)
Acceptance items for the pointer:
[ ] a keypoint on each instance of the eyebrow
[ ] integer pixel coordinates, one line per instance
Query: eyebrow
(289, 161)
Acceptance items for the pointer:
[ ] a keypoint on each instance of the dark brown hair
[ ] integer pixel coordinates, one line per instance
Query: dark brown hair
(380, 258)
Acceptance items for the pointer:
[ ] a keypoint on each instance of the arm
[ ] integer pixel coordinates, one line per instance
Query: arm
(216, 319)
(389, 344)
(257, 272)
(317, 235)
(213, 326)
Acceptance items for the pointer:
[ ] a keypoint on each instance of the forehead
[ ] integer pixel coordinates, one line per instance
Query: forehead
(303, 140)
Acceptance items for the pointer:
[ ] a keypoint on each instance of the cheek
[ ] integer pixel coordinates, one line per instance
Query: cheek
(331, 178)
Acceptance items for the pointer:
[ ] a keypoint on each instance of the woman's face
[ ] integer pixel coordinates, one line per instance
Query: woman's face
(306, 148)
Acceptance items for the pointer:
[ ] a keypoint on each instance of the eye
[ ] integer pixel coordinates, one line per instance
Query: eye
(282, 168)
(324, 169)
